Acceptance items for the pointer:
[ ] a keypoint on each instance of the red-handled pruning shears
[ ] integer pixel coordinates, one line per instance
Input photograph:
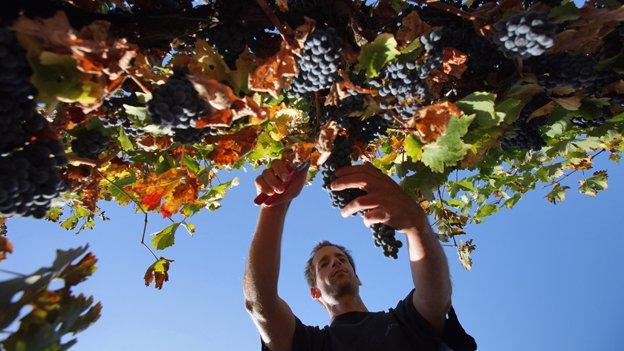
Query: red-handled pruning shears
(263, 198)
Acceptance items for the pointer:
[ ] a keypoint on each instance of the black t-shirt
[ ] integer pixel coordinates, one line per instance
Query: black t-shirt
(400, 329)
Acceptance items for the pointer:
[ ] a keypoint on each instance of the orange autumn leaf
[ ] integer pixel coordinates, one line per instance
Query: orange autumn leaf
(231, 148)
(5, 246)
(152, 199)
(220, 118)
(182, 194)
(272, 76)
(454, 62)
(431, 121)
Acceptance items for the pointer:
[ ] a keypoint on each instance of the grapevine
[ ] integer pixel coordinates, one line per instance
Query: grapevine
(149, 103)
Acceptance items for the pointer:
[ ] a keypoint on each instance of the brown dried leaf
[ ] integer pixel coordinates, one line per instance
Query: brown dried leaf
(570, 103)
(218, 95)
(340, 90)
(302, 152)
(431, 121)
(454, 62)
(272, 76)
(54, 32)
(142, 68)
(593, 25)
(325, 141)
(411, 28)
(542, 111)
(5, 245)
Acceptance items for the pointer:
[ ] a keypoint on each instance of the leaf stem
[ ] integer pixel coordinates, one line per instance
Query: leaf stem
(138, 205)
(13, 273)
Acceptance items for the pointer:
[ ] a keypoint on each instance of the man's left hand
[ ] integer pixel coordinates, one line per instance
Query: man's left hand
(385, 201)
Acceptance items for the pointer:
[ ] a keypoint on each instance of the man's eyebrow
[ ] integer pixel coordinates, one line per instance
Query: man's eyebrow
(325, 257)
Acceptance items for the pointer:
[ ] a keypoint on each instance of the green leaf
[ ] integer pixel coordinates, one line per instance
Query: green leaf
(124, 141)
(139, 113)
(592, 185)
(449, 148)
(557, 193)
(413, 147)
(191, 164)
(213, 197)
(508, 110)
(56, 76)
(374, 55)
(165, 237)
(487, 210)
(482, 105)
(566, 12)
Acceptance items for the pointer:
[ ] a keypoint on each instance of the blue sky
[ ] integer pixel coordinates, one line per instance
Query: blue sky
(545, 277)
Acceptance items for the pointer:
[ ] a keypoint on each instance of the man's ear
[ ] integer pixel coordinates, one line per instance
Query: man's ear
(316, 293)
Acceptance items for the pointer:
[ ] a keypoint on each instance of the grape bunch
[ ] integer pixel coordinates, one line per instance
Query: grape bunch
(401, 88)
(318, 64)
(525, 133)
(30, 179)
(341, 157)
(525, 35)
(116, 116)
(89, 143)
(577, 71)
(176, 103)
(345, 115)
(29, 162)
(192, 135)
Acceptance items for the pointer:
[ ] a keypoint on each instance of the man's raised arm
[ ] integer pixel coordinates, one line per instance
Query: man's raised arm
(272, 315)
(385, 202)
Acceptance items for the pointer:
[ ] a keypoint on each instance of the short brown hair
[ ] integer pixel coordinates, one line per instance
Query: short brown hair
(310, 273)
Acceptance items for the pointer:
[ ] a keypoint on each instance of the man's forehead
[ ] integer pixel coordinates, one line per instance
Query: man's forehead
(327, 251)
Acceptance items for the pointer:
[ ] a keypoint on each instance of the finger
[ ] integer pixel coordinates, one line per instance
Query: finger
(280, 169)
(361, 203)
(263, 187)
(269, 176)
(376, 215)
(354, 180)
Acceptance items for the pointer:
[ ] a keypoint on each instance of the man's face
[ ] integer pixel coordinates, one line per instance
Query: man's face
(334, 274)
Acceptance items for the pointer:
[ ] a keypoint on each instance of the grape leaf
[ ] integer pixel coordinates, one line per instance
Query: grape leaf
(166, 237)
(508, 110)
(5, 246)
(449, 148)
(413, 147)
(592, 185)
(464, 249)
(158, 272)
(482, 105)
(376, 54)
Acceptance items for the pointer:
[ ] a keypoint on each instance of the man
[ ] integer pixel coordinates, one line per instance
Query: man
(419, 322)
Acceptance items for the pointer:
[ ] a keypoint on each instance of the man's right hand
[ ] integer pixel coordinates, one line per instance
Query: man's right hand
(272, 181)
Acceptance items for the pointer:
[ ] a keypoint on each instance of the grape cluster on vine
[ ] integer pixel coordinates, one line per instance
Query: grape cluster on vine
(319, 62)
(340, 156)
(29, 160)
(176, 103)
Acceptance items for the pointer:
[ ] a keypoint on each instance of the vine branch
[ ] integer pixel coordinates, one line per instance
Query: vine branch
(13, 273)
(574, 171)
(450, 9)
(138, 205)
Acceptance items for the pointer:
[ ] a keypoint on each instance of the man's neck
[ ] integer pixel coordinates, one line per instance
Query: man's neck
(344, 304)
